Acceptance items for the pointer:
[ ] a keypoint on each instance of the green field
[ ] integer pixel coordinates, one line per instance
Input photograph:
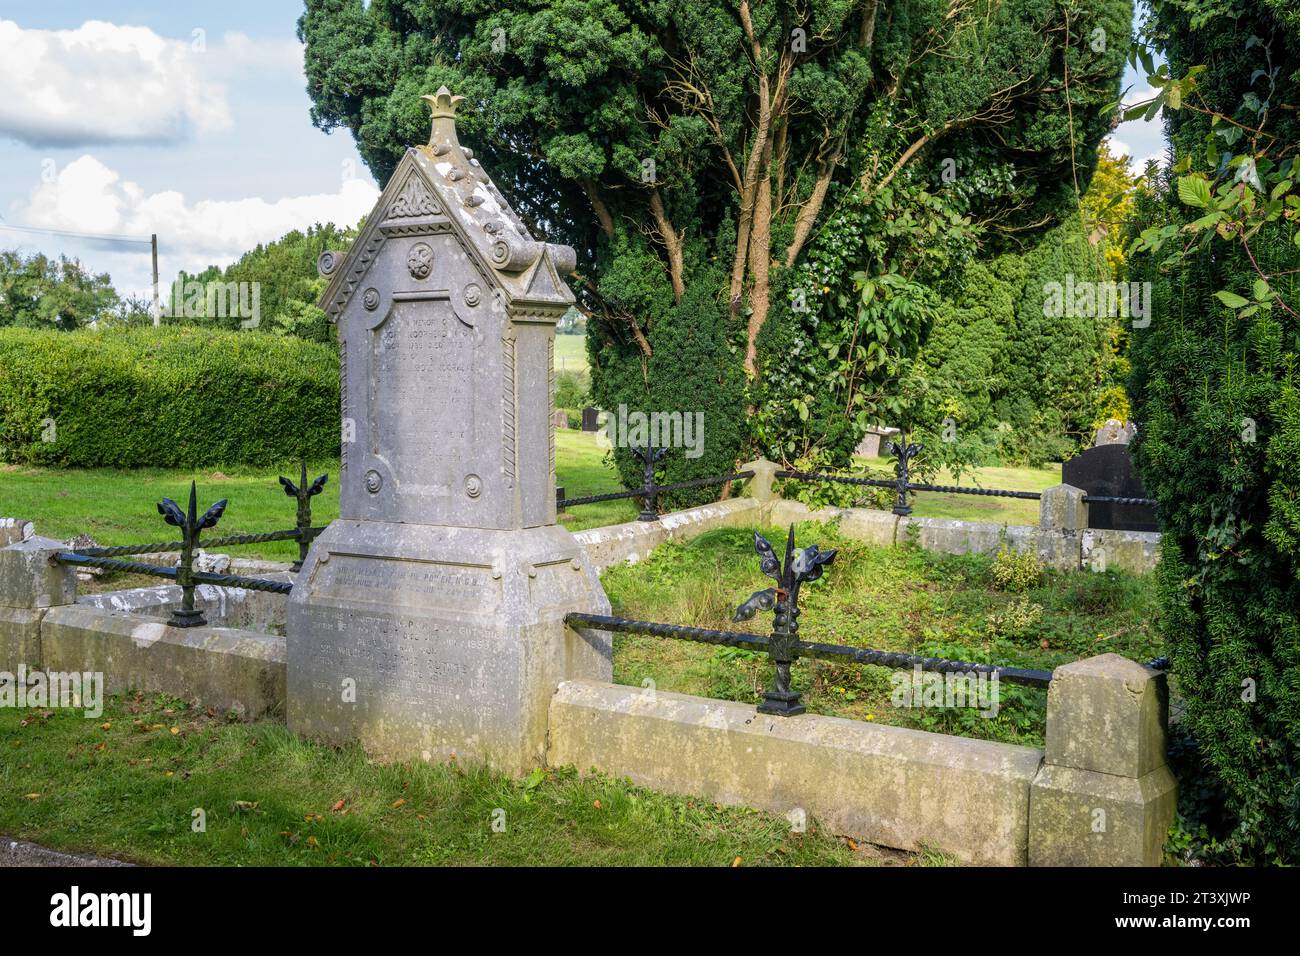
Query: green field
(571, 353)
(928, 504)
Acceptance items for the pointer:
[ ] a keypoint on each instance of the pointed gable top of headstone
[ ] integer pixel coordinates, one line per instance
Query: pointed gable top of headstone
(442, 187)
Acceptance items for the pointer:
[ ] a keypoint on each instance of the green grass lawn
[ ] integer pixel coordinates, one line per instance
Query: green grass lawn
(118, 506)
(128, 783)
(930, 504)
(571, 353)
(896, 599)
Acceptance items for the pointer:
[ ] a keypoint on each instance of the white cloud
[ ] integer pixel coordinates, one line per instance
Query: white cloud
(104, 83)
(87, 196)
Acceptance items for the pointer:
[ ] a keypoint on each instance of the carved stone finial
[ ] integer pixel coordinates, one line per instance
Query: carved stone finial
(443, 107)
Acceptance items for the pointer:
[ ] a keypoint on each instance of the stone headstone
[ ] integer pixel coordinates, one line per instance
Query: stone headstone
(869, 447)
(560, 418)
(427, 620)
(1108, 470)
(1115, 432)
(591, 419)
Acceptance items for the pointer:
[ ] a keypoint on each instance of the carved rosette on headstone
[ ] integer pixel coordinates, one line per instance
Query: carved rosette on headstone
(428, 620)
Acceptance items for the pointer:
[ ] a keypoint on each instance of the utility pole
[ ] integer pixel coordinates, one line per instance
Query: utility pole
(157, 313)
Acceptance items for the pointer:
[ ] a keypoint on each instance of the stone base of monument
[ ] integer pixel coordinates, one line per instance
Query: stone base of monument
(428, 642)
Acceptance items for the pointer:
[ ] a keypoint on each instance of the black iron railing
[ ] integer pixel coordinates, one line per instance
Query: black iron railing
(649, 491)
(903, 486)
(191, 524)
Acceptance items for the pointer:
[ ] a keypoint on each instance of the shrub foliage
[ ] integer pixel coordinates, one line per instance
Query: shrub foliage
(171, 397)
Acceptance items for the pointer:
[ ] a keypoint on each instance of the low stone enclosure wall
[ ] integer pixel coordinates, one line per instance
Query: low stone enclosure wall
(1100, 793)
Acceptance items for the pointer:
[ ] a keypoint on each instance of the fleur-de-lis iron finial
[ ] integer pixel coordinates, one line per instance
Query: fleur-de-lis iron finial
(649, 457)
(903, 454)
(304, 493)
(783, 600)
(190, 524)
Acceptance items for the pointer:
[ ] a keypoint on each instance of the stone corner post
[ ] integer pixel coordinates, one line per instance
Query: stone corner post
(760, 486)
(1105, 795)
(1062, 520)
(30, 584)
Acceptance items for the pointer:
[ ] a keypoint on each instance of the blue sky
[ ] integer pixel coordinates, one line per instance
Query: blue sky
(186, 119)
(121, 118)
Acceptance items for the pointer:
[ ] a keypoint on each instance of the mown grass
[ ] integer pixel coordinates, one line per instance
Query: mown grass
(128, 783)
(118, 506)
(896, 599)
(571, 353)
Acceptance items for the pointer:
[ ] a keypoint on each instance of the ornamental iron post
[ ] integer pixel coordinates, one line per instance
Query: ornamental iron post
(190, 525)
(304, 493)
(798, 567)
(903, 453)
(650, 457)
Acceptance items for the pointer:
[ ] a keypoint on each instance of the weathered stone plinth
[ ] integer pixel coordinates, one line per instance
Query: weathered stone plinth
(1104, 796)
(424, 642)
(29, 585)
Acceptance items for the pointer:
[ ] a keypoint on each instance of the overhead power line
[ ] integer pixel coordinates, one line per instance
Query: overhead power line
(101, 237)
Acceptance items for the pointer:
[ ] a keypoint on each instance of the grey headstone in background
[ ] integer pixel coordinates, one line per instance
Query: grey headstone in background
(591, 419)
(428, 620)
(1115, 432)
(869, 447)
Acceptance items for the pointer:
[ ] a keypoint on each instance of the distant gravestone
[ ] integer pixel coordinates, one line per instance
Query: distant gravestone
(1108, 470)
(1115, 432)
(427, 621)
(591, 419)
(560, 418)
(869, 447)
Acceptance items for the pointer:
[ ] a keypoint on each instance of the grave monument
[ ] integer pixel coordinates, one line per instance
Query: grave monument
(427, 621)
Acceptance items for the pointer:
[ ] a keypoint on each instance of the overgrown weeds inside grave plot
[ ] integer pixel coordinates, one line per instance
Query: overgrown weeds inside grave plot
(886, 598)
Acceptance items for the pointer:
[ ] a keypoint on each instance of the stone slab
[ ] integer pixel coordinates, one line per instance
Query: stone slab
(887, 785)
(223, 668)
(1135, 551)
(633, 541)
(427, 642)
(221, 606)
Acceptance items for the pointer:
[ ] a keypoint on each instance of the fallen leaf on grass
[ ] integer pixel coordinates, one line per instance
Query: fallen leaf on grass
(32, 796)
(735, 863)
(398, 803)
(338, 806)
(106, 726)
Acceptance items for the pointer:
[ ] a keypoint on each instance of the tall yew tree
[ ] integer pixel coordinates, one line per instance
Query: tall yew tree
(692, 151)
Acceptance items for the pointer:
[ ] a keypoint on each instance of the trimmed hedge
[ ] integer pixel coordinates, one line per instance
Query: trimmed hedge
(170, 397)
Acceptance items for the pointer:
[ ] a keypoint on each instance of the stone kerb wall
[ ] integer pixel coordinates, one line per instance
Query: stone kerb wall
(1100, 794)
(1062, 537)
